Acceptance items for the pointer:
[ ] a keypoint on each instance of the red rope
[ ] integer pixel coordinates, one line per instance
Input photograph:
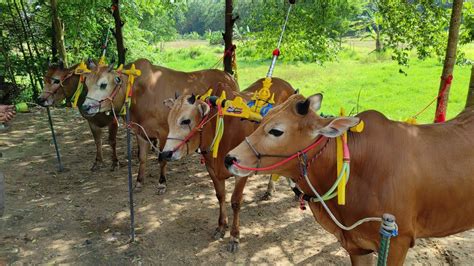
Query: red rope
(442, 104)
(278, 164)
(193, 132)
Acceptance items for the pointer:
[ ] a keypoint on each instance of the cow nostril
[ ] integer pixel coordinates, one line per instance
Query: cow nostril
(41, 101)
(164, 156)
(86, 108)
(229, 161)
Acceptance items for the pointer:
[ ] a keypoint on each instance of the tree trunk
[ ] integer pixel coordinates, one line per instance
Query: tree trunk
(29, 61)
(8, 64)
(378, 42)
(58, 30)
(38, 71)
(229, 31)
(470, 92)
(449, 61)
(118, 31)
(54, 48)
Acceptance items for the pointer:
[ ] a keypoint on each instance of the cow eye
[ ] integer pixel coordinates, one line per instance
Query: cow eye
(186, 122)
(103, 86)
(55, 81)
(275, 132)
(118, 80)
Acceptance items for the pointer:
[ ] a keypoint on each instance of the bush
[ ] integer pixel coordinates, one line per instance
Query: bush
(215, 38)
(192, 36)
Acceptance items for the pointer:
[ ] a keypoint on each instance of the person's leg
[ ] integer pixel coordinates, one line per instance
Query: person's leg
(2, 194)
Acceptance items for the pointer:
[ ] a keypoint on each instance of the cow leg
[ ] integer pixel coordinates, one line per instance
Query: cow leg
(143, 147)
(113, 128)
(162, 181)
(97, 134)
(219, 186)
(270, 189)
(398, 250)
(236, 202)
(362, 260)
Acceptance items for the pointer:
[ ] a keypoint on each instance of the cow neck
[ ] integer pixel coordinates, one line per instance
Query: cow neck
(207, 135)
(70, 87)
(321, 169)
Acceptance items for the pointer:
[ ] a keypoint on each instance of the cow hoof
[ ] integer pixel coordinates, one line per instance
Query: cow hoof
(138, 187)
(266, 196)
(114, 166)
(96, 166)
(233, 246)
(161, 189)
(219, 233)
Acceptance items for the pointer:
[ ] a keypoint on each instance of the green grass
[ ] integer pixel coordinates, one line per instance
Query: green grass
(376, 77)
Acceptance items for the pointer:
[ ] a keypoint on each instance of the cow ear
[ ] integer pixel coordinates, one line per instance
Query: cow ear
(204, 108)
(169, 102)
(337, 126)
(315, 101)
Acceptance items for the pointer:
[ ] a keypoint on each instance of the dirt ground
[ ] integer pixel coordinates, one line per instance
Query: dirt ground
(81, 217)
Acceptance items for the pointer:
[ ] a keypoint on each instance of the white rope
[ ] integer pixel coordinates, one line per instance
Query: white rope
(274, 59)
(131, 122)
(284, 26)
(343, 227)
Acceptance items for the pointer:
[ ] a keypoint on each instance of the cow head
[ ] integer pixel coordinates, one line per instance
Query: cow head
(287, 129)
(186, 113)
(54, 90)
(105, 88)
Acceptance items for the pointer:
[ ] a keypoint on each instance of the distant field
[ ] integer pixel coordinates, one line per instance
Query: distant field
(376, 77)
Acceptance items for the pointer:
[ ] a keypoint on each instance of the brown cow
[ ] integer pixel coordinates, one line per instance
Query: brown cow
(424, 175)
(61, 83)
(148, 110)
(187, 113)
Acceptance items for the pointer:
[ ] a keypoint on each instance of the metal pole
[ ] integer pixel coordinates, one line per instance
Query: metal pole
(130, 188)
(60, 165)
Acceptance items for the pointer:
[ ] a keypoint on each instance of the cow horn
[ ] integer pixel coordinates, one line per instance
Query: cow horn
(111, 66)
(176, 95)
(303, 107)
(61, 63)
(192, 99)
(90, 63)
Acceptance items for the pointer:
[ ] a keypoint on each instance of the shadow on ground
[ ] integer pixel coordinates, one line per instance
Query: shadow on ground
(82, 217)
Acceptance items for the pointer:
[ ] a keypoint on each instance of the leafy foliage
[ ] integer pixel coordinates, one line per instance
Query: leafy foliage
(314, 32)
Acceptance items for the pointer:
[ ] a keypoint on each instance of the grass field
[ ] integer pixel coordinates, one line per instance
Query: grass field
(376, 77)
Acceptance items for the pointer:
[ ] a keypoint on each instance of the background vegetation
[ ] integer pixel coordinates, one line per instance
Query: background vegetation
(388, 52)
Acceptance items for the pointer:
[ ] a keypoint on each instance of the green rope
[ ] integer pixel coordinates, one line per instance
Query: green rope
(331, 193)
(383, 251)
(387, 230)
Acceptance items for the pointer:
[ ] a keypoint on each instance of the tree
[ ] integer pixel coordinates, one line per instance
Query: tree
(118, 31)
(449, 61)
(370, 24)
(313, 32)
(470, 92)
(228, 45)
(58, 33)
(414, 25)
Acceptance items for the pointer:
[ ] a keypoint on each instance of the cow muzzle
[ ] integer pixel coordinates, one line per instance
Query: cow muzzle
(89, 109)
(165, 156)
(229, 161)
(45, 101)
